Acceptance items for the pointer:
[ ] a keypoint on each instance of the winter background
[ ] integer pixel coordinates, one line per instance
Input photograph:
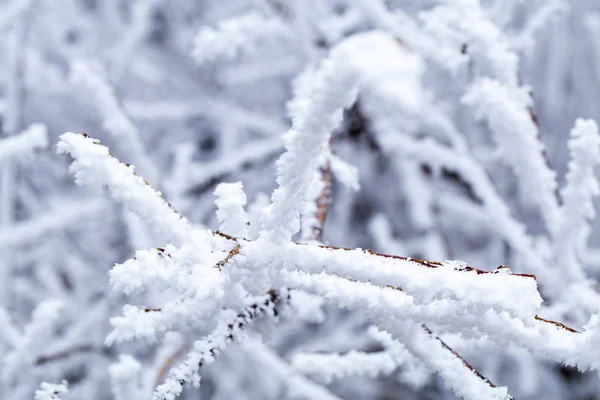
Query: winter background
(467, 134)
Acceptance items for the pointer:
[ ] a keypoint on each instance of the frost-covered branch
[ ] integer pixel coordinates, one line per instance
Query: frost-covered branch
(507, 112)
(96, 167)
(579, 193)
(229, 329)
(333, 88)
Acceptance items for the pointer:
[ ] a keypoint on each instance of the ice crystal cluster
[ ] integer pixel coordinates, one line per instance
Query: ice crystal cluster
(339, 199)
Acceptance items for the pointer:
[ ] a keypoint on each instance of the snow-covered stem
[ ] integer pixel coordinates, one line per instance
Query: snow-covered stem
(10, 334)
(507, 112)
(455, 280)
(390, 276)
(327, 367)
(442, 360)
(96, 167)
(173, 347)
(334, 87)
(229, 329)
(142, 13)
(230, 202)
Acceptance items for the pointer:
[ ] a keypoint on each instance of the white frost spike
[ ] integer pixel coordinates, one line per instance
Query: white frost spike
(353, 64)
(35, 137)
(230, 202)
(51, 391)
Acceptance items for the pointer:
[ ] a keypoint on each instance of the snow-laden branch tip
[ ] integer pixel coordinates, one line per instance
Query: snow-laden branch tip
(229, 329)
(333, 88)
(189, 271)
(96, 167)
(507, 112)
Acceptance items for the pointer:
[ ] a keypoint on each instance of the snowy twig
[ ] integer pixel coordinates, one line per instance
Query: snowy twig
(96, 167)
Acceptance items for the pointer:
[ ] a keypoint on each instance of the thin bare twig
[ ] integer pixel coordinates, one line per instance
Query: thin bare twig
(86, 348)
(322, 204)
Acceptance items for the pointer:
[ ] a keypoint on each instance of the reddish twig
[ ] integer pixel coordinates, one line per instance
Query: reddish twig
(559, 324)
(322, 203)
(465, 362)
